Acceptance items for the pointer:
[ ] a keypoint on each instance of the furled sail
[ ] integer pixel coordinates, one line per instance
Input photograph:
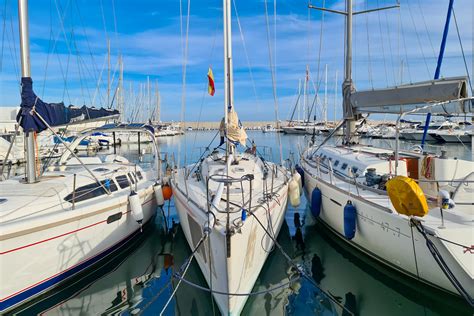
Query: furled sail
(54, 114)
(450, 93)
(235, 131)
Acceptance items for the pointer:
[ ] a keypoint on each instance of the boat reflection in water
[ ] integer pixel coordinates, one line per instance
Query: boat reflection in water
(139, 281)
(368, 288)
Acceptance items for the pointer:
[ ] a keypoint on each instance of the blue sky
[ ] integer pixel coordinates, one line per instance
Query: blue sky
(399, 45)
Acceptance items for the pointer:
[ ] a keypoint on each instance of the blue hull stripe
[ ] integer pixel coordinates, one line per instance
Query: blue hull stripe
(23, 296)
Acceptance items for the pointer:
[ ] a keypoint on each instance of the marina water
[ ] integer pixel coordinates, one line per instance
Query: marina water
(139, 280)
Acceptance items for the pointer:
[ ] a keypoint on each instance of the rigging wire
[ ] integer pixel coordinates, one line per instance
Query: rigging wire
(242, 37)
(426, 29)
(405, 48)
(3, 34)
(320, 77)
(185, 43)
(462, 51)
(204, 91)
(272, 68)
(95, 69)
(393, 67)
(381, 42)
(418, 39)
(369, 65)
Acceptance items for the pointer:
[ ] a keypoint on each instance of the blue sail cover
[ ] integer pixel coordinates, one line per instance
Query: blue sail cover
(53, 113)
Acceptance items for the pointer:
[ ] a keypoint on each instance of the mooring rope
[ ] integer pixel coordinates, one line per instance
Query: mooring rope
(442, 264)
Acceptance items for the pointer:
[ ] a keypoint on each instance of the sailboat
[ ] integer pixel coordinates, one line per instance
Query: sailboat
(75, 215)
(410, 210)
(231, 205)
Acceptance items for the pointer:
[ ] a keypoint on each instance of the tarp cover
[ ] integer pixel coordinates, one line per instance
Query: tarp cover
(53, 113)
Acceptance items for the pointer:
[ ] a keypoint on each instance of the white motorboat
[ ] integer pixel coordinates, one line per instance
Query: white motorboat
(416, 134)
(231, 205)
(411, 211)
(270, 129)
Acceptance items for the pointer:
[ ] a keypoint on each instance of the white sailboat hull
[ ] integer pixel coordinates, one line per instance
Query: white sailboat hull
(64, 244)
(249, 248)
(388, 237)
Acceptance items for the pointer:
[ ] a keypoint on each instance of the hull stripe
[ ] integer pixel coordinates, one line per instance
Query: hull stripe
(41, 286)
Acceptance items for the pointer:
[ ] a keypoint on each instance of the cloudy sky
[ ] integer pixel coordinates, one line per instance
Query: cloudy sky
(69, 51)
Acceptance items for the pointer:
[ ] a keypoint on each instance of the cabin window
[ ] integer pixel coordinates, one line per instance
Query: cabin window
(336, 163)
(354, 170)
(139, 174)
(344, 166)
(132, 178)
(109, 184)
(122, 181)
(86, 192)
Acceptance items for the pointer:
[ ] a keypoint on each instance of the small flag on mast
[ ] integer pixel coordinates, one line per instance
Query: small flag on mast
(210, 88)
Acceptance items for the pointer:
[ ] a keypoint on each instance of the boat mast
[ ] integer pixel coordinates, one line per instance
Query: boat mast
(108, 73)
(26, 72)
(438, 66)
(326, 95)
(347, 86)
(228, 75)
(158, 101)
(335, 98)
(121, 92)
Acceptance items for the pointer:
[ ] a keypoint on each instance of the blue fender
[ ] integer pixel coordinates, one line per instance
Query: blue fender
(350, 217)
(316, 202)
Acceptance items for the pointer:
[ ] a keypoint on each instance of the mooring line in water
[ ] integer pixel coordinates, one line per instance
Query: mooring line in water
(300, 270)
(187, 263)
(203, 288)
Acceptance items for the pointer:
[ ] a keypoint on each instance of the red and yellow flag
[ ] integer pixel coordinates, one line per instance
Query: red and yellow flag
(210, 88)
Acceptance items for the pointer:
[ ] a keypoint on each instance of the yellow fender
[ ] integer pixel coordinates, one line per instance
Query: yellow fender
(407, 197)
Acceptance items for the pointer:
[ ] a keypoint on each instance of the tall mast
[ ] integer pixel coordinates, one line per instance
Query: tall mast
(335, 98)
(158, 102)
(305, 95)
(121, 92)
(228, 75)
(26, 72)
(299, 103)
(326, 95)
(108, 72)
(347, 86)
(148, 97)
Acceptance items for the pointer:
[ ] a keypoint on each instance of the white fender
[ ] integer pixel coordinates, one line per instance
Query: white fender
(294, 193)
(136, 207)
(160, 200)
(297, 178)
